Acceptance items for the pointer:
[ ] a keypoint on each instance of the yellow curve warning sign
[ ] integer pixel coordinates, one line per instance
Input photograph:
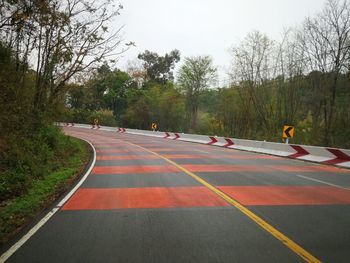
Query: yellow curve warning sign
(288, 131)
(154, 126)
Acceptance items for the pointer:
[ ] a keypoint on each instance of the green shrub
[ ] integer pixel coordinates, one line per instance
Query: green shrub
(21, 207)
(105, 117)
(43, 151)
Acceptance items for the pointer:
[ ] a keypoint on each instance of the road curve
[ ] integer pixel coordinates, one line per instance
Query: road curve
(157, 200)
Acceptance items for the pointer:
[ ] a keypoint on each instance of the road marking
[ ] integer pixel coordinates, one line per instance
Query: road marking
(322, 182)
(202, 151)
(144, 197)
(258, 220)
(35, 228)
(263, 195)
(132, 169)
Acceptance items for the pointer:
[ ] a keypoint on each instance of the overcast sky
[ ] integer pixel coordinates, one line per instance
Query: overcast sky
(206, 27)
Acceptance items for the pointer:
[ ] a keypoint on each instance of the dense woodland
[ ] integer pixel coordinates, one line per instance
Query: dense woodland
(57, 63)
(301, 80)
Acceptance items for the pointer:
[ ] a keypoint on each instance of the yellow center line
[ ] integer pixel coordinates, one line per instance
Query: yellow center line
(258, 220)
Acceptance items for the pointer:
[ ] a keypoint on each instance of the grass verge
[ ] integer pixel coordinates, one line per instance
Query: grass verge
(16, 213)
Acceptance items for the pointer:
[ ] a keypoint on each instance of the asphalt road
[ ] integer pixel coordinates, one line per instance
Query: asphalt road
(158, 200)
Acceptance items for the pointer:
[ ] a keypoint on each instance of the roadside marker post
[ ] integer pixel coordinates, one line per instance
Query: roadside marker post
(95, 124)
(154, 126)
(288, 132)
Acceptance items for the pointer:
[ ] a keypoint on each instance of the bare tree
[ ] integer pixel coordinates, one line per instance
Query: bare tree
(252, 68)
(324, 39)
(137, 72)
(289, 68)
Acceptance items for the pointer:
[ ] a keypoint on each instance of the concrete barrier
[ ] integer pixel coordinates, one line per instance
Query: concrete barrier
(324, 155)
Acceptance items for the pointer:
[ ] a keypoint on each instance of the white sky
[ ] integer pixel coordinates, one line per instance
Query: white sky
(206, 27)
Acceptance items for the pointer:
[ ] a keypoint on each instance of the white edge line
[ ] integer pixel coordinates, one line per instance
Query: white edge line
(322, 182)
(35, 228)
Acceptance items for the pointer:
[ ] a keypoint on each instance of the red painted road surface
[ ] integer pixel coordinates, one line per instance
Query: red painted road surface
(147, 197)
(136, 206)
(134, 169)
(288, 195)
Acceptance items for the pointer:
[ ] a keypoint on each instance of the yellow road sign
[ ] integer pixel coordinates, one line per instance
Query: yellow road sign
(288, 131)
(154, 126)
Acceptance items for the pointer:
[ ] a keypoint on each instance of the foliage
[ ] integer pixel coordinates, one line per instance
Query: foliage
(160, 68)
(106, 90)
(324, 40)
(195, 75)
(59, 39)
(160, 104)
(302, 80)
(44, 46)
(104, 117)
(41, 191)
(31, 158)
(297, 81)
